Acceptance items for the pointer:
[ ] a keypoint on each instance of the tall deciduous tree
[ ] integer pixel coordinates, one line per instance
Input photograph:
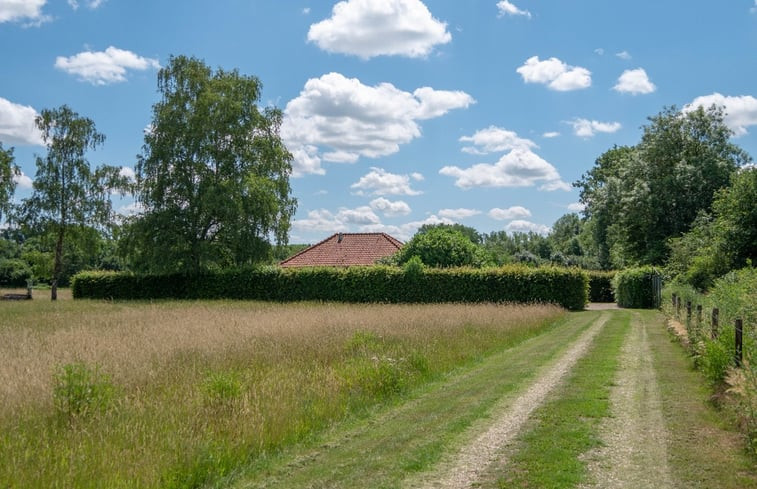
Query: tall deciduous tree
(7, 183)
(640, 197)
(67, 192)
(213, 177)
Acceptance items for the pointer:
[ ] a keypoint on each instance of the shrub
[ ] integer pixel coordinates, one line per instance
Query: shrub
(14, 272)
(80, 391)
(565, 287)
(633, 288)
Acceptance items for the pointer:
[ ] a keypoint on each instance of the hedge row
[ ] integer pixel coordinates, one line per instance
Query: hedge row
(566, 287)
(600, 286)
(633, 288)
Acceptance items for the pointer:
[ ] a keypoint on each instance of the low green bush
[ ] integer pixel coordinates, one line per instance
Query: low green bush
(80, 391)
(633, 288)
(512, 283)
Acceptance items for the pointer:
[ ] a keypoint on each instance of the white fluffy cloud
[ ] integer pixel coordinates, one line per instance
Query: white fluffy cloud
(458, 214)
(550, 134)
(576, 207)
(17, 124)
(23, 181)
(493, 140)
(623, 55)
(554, 73)
(104, 67)
(92, 4)
(514, 212)
(380, 182)
(518, 168)
(586, 128)
(322, 220)
(13, 10)
(367, 28)
(740, 111)
(389, 208)
(127, 172)
(521, 226)
(508, 8)
(354, 120)
(634, 82)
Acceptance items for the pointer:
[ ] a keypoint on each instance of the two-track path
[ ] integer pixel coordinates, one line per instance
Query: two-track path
(453, 433)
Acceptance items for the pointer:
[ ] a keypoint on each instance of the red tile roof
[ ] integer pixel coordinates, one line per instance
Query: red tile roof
(344, 250)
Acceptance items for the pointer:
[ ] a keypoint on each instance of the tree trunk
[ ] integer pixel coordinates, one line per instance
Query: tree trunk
(57, 264)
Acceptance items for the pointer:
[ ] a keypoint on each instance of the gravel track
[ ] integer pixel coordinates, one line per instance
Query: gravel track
(634, 454)
(463, 468)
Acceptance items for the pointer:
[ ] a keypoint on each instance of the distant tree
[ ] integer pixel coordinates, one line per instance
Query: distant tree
(213, 176)
(7, 183)
(67, 193)
(441, 247)
(467, 231)
(639, 197)
(565, 235)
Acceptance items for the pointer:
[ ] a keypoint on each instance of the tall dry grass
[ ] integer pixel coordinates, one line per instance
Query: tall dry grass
(202, 387)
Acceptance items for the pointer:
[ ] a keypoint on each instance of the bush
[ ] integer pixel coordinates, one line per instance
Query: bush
(565, 287)
(81, 391)
(600, 286)
(14, 272)
(633, 288)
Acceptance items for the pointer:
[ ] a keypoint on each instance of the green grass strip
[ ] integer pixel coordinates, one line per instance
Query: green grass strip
(567, 425)
(385, 449)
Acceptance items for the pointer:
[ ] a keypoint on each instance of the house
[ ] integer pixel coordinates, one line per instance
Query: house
(344, 250)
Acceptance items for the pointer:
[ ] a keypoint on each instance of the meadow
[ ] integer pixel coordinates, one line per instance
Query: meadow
(178, 394)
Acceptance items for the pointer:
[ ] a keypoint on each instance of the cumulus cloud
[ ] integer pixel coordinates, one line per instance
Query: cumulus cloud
(104, 67)
(458, 214)
(521, 226)
(367, 28)
(23, 181)
(92, 4)
(131, 209)
(323, 220)
(518, 168)
(555, 74)
(634, 82)
(586, 128)
(623, 55)
(353, 120)
(507, 8)
(576, 207)
(127, 172)
(389, 208)
(380, 182)
(495, 139)
(514, 212)
(550, 134)
(29, 10)
(740, 111)
(17, 124)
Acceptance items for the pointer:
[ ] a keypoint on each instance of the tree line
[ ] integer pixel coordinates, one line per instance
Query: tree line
(212, 189)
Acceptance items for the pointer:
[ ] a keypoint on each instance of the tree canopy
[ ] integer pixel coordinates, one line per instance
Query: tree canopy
(639, 197)
(7, 183)
(213, 176)
(441, 246)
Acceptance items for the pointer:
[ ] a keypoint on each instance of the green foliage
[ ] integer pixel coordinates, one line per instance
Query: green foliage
(80, 391)
(14, 272)
(67, 192)
(7, 184)
(639, 197)
(633, 288)
(440, 247)
(601, 286)
(467, 231)
(213, 176)
(222, 387)
(414, 266)
(566, 287)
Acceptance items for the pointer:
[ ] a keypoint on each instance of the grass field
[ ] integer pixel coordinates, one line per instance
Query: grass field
(177, 394)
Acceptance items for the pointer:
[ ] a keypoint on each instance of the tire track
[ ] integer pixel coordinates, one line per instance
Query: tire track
(464, 468)
(635, 451)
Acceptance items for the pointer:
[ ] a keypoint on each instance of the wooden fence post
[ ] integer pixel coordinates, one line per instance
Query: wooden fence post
(699, 313)
(715, 314)
(738, 354)
(688, 312)
(678, 307)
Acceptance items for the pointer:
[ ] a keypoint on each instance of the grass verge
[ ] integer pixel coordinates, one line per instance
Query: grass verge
(547, 453)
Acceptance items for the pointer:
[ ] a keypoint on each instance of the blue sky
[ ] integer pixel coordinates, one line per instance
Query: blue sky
(398, 112)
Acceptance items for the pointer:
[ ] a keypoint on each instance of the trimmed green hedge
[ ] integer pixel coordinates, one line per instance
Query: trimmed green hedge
(633, 288)
(600, 286)
(566, 287)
